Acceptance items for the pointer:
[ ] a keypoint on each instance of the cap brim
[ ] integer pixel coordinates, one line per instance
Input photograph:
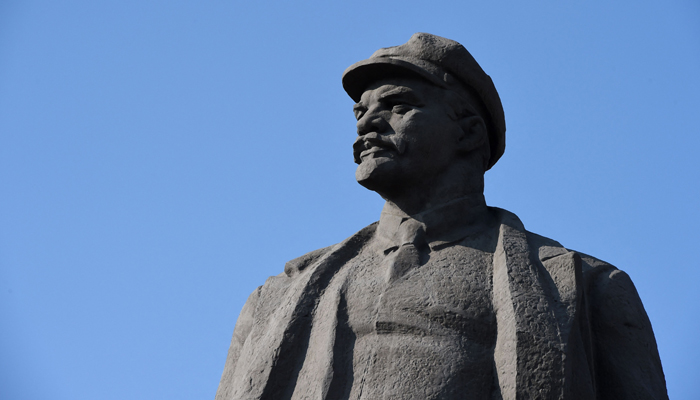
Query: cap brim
(360, 75)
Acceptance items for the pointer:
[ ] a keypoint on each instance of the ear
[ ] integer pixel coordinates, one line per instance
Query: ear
(474, 133)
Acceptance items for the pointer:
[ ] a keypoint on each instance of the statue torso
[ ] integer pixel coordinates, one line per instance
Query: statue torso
(427, 335)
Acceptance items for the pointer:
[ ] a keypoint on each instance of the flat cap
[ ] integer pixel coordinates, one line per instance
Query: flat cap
(444, 63)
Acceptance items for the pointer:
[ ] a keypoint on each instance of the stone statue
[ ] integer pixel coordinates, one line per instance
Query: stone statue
(444, 297)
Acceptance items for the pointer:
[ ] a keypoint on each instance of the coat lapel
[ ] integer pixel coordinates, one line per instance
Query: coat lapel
(273, 355)
(536, 292)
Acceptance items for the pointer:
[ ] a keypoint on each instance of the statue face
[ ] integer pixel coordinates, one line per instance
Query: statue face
(405, 135)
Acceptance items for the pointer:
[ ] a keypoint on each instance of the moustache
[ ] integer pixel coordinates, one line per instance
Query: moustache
(372, 140)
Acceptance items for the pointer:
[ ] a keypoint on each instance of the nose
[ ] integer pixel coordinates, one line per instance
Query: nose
(371, 122)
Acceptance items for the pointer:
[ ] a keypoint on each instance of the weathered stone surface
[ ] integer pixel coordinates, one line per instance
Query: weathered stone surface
(444, 297)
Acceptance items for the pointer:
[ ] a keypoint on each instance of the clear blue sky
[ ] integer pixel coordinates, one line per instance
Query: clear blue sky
(160, 159)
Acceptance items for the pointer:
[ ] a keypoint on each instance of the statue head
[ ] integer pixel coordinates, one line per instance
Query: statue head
(421, 107)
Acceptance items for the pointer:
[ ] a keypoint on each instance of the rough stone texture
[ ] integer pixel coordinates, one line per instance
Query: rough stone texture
(444, 297)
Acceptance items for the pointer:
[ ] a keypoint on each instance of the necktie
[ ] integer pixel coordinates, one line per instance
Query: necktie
(411, 252)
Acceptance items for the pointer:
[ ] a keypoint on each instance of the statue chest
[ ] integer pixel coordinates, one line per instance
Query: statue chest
(427, 334)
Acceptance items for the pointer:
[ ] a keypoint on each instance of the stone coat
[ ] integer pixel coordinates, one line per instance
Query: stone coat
(569, 326)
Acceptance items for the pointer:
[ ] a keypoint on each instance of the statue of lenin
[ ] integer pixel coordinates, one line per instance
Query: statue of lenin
(444, 297)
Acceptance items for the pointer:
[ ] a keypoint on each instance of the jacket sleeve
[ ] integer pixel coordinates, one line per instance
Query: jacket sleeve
(627, 364)
(240, 333)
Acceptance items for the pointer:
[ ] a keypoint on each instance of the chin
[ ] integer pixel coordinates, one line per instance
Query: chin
(379, 175)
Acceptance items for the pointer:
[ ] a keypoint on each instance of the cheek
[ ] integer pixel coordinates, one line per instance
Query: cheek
(437, 148)
(423, 139)
(404, 134)
(427, 142)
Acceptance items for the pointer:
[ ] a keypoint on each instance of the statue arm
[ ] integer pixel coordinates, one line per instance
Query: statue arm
(627, 360)
(240, 333)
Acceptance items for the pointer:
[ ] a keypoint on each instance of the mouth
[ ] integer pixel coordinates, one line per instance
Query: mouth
(373, 150)
(367, 148)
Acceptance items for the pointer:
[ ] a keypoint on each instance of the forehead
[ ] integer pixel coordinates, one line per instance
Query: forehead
(391, 87)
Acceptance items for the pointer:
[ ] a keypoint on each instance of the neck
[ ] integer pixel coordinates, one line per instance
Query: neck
(449, 186)
(476, 202)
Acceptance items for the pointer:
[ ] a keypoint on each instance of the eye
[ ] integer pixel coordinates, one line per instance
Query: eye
(359, 112)
(400, 108)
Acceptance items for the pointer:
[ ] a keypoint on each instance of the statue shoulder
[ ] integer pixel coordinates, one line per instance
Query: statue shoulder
(357, 240)
(298, 264)
(627, 363)
(608, 289)
(547, 248)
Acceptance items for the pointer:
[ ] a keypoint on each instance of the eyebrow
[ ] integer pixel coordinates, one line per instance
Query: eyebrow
(395, 91)
(400, 92)
(358, 107)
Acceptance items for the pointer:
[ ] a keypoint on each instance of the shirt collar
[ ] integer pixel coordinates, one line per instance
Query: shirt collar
(443, 224)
